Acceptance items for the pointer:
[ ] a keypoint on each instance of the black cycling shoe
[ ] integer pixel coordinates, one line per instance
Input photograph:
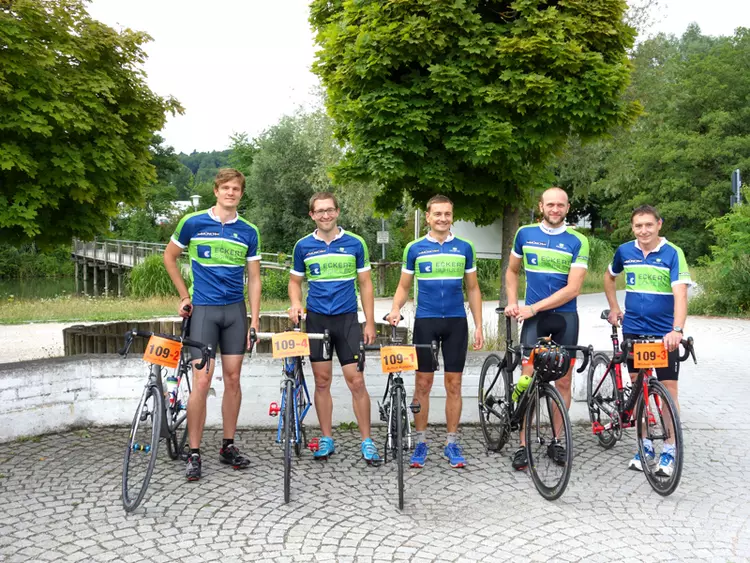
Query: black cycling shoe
(232, 456)
(193, 469)
(520, 461)
(556, 452)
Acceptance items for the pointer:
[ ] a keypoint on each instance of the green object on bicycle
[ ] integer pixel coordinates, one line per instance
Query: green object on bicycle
(521, 386)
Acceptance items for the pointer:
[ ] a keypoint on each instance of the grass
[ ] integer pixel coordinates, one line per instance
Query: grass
(98, 309)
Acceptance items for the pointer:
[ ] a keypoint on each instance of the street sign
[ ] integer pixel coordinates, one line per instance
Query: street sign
(383, 237)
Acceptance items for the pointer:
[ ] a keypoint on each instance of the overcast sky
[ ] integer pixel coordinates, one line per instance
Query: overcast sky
(239, 65)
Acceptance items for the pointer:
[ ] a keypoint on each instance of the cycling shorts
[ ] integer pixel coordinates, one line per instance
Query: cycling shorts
(669, 373)
(345, 332)
(561, 326)
(451, 334)
(225, 325)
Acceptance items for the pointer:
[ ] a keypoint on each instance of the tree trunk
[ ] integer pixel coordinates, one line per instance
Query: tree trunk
(510, 226)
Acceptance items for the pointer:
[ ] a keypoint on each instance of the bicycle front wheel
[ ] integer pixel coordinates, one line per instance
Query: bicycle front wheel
(601, 395)
(399, 413)
(177, 422)
(143, 444)
(300, 405)
(494, 402)
(549, 444)
(658, 421)
(288, 436)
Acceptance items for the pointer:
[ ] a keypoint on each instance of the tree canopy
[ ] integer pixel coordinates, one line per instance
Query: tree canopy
(76, 121)
(468, 98)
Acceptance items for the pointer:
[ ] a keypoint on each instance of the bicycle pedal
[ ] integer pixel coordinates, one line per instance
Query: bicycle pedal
(274, 409)
(374, 462)
(597, 428)
(415, 407)
(313, 445)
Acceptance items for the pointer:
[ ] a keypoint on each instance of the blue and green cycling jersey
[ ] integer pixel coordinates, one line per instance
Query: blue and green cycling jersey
(649, 299)
(548, 255)
(439, 269)
(218, 255)
(331, 271)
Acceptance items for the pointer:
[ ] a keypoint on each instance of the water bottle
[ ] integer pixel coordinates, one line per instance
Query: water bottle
(521, 386)
(172, 390)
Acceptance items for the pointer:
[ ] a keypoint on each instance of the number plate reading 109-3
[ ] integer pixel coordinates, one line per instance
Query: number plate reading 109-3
(649, 355)
(398, 358)
(163, 352)
(290, 344)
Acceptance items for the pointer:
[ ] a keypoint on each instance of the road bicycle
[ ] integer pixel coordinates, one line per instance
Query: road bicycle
(292, 347)
(539, 412)
(645, 404)
(395, 359)
(162, 408)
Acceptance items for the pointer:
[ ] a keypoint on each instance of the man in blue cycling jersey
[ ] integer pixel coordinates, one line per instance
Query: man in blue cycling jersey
(334, 261)
(555, 258)
(221, 244)
(441, 263)
(656, 284)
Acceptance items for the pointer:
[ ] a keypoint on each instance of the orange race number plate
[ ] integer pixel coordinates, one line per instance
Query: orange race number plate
(649, 355)
(163, 351)
(398, 358)
(290, 344)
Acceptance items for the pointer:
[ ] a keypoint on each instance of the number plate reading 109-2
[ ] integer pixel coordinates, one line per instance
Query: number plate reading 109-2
(649, 355)
(398, 358)
(163, 352)
(290, 344)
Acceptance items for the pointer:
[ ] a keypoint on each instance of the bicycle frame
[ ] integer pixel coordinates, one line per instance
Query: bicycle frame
(300, 387)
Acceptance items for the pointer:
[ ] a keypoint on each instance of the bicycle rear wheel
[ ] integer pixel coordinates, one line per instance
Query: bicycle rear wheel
(288, 436)
(659, 421)
(601, 396)
(549, 445)
(143, 444)
(494, 402)
(398, 413)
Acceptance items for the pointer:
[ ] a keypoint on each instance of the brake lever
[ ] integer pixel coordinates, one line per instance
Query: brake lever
(126, 348)
(253, 340)
(327, 345)
(361, 359)
(204, 360)
(586, 356)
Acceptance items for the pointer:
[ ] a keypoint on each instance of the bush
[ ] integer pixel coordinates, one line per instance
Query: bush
(150, 278)
(600, 254)
(275, 284)
(26, 261)
(488, 276)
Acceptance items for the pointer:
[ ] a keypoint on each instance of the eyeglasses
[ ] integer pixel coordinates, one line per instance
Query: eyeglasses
(321, 212)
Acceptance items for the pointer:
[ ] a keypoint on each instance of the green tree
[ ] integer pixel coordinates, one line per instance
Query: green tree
(468, 98)
(76, 121)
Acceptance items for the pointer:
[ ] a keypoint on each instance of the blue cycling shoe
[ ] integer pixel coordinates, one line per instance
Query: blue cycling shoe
(325, 448)
(370, 452)
(454, 455)
(419, 456)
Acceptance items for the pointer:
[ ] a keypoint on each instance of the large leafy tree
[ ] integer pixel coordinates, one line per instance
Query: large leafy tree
(469, 98)
(76, 121)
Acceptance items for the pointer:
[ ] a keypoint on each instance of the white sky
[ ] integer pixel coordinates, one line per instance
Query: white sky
(239, 65)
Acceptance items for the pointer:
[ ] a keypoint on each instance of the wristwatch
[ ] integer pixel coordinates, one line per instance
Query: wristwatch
(677, 329)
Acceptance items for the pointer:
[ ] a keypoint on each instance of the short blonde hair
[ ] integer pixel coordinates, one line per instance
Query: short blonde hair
(323, 195)
(226, 174)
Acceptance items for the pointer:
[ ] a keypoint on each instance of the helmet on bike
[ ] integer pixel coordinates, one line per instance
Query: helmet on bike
(551, 362)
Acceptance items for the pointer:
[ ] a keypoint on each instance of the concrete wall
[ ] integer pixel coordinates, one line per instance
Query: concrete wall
(43, 396)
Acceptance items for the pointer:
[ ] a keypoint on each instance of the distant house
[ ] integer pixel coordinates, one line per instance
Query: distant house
(179, 208)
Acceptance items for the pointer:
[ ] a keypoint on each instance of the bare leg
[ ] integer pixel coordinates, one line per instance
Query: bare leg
(422, 388)
(323, 372)
(453, 402)
(360, 398)
(230, 404)
(196, 409)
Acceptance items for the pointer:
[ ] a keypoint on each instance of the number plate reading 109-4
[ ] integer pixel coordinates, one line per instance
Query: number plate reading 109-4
(163, 352)
(398, 358)
(649, 355)
(290, 344)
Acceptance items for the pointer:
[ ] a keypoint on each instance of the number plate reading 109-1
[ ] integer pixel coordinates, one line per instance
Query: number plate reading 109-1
(649, 355)
(398, 358)
(290, 344)
(163, 352)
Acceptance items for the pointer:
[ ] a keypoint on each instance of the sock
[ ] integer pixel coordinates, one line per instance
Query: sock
(451, 437)
(647, 445)
(669, 449)
(195, 451)
(420, 436)
(226, 442)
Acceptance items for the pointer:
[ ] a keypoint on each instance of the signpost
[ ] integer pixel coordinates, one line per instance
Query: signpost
(736, 197)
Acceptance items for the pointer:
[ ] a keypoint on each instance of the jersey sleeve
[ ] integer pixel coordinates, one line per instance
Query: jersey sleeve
(253, 249)
(517, 249)
(298, 261)
(581, 255)
(183, 233)
(409, 260)
(679, 272)
(616, 267)
(471, 258)
(363, 257)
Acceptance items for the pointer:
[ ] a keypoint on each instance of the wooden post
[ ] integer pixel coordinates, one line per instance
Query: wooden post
(76, 259)
(106, 270)
(94, 268)
(85, 279)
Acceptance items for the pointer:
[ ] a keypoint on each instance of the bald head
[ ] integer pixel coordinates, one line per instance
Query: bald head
(554, 207)
(556, 194)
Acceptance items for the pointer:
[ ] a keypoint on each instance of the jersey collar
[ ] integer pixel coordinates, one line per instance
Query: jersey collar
(448, 239)
(215, 218)
(658, 246)
(338, 236)
(548, 231)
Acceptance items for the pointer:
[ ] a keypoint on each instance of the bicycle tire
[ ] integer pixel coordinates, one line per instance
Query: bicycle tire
(150, 408)
(177, 419)
(300, 441)
(288, 436)
(550, 476)
(494, 403)
(663, 485)
(399, 406)
(601, 379)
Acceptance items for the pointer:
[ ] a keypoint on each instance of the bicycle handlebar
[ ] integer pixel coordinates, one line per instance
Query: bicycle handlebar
(587, 351)
(131, 334)
(686, 343)
(325, 336)
(433, 346)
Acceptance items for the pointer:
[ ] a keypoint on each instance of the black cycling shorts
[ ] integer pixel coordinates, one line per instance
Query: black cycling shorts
(562, 327)
(345, 332)
(225, 325)
(669, 373)
(451, 334)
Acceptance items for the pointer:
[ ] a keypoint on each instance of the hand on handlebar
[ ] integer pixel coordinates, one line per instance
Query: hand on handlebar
(672, 340)
(512, 310)
(394, 317)
(615, 317)
(185, 308)
(296, 314)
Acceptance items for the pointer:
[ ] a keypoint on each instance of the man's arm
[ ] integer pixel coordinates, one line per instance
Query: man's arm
(367, 295)
(171, 254)
(673, 338)
(610, 292)
(511, 285)
(475, 306)
(295, 297)
(400, 297)
(253, 292)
